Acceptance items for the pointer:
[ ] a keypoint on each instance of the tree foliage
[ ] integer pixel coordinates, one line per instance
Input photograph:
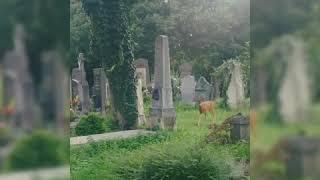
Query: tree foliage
(201, 32)
(112, 45)
(45, 23)
(271, 22)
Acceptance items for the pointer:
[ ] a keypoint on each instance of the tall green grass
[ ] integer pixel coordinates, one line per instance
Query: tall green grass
(147, 157)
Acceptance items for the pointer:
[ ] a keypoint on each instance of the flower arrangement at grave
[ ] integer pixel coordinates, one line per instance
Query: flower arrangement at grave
(8, 110)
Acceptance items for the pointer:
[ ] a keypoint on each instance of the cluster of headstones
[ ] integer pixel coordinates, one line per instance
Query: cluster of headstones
(162, 111)
(19, 91)
(192, 91)
(80, 89)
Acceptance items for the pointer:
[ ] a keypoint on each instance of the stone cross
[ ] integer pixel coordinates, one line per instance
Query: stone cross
(162, 110)
(80, 85)
(188, 85)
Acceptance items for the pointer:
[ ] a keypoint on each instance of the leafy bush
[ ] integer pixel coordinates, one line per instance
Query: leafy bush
(111, 124)
(40, 149)
(220, 133)
(179, 162)
(91, 124)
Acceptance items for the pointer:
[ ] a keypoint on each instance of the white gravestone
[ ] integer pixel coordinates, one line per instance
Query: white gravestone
(188, 86)
(235, 92)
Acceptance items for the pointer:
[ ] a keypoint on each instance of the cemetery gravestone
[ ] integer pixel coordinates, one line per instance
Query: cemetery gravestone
(235, 92)
(185, 69)
(80, 86)
(18, 86)
(142, 68)
(54, 90)
(216, 87)
(75, 85)
(303, 158)
(239, 127)
(141, 116)
(188, 85)
(295, 93)
(100, 91)
(162, 105)
(203, 90)
(108, 95)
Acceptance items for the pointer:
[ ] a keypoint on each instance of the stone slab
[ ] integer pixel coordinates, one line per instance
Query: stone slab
(80, 140)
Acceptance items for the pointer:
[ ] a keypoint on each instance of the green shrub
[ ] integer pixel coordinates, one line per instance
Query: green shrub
(220, 134)
(40, 149)
(91, 124)
(179, 163)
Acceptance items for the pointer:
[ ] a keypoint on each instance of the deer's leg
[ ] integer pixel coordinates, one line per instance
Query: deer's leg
(199, 119)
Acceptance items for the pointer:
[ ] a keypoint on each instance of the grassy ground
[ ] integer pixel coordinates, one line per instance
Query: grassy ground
(269, 133)
(103, 160)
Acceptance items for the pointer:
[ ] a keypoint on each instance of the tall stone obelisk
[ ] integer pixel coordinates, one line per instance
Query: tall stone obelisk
(162, 111)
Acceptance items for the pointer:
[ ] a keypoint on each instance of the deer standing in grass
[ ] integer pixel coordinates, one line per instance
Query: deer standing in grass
(206, 107)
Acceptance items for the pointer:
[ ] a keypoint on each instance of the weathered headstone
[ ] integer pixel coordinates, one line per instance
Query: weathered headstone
(75, 82)
(303, 158)
(84, 95)
(185, 69)
(100, 90)
(203, 90)
(80, 86)
(18, 86)
(188, 85)
(141, 116)
(235, 92)
(239, 125)
(295, 92)
(108, 95)
(162, 103)
(142, 68)
(54, 98)
(216, 87)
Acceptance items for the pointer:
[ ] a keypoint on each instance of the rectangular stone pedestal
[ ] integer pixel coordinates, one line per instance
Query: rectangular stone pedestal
(165, 118)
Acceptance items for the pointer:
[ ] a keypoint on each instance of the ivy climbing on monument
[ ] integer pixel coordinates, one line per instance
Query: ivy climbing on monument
(112, 45)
